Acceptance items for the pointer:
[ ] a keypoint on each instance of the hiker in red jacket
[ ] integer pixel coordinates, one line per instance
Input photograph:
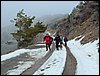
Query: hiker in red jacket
(48, 40)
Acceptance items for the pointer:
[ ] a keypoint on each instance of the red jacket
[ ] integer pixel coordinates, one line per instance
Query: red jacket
(47, 39)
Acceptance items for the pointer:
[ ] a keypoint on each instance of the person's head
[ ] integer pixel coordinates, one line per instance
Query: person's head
(47, 34)
(57, 35)
(65, 36)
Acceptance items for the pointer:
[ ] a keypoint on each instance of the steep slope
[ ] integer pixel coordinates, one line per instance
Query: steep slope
(84, 20)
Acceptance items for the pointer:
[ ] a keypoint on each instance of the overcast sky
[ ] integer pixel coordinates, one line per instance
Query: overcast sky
(34, 8)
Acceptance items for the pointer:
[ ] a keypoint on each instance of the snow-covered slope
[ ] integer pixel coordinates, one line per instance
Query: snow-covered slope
(87, 57)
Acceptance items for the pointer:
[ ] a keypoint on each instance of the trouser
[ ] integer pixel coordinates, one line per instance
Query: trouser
(65, 43)
(47, 46)
(50, 43)
(57, 46)
(60, 45)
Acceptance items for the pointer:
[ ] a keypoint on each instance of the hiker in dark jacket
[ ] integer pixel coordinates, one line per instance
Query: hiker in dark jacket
(48, 41)
(57, 40)
(65, 40)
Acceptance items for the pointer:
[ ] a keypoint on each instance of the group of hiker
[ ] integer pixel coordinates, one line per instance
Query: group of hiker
(58, 41)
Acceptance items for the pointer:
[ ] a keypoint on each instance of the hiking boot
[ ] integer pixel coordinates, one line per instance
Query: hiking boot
(57, 49)
(49, 49)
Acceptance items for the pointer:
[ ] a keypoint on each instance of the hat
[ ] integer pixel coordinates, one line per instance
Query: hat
(47, 34)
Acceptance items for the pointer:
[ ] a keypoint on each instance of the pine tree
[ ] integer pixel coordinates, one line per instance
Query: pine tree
(26, 33)
(22, 22)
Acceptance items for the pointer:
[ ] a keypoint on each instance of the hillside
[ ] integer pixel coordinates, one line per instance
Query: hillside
(84, 20)
(50, 19)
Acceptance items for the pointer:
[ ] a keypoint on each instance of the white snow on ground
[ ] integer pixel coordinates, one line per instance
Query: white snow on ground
(54, 65)
(40, 44)
(21, 51)
(38, 53)
(22, 66)
(13, 54)
(87, 57)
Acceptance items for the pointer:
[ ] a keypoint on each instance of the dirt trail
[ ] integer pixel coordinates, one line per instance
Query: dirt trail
(70, 65)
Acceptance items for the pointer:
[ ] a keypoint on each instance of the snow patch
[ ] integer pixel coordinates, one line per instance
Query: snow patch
(21, 51)
(20, 68)
(87, 57)
(40, 44)
(54, 65)
(23, 65)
